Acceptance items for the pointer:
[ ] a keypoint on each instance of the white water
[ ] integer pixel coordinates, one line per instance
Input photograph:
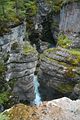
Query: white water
(37, 100)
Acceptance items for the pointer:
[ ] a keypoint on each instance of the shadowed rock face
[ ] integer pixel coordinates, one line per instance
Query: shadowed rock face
(43, 34)
(52, 110)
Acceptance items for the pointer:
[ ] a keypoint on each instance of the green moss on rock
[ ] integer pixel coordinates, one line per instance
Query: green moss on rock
(76, 56)
(64, 41)
(69, 73)
(31, 8)
(66, 88)
(28, 49)
(69, 60)
(4, 97)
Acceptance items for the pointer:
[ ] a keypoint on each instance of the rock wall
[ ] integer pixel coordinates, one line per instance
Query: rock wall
(15, 34)
(43, 27)
(70, 18)
(20, 59)
(59, 71)
(70, 22)
(21, 66)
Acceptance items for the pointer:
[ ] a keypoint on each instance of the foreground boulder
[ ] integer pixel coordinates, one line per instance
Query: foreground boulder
(60, 109)
(59, 71)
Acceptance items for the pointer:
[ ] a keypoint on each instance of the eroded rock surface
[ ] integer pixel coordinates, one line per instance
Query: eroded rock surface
(20, 59)
(70, 22)
(59, 70)
(21, 67)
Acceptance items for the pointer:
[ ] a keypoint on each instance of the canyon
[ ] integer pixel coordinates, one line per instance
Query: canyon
(42, 68)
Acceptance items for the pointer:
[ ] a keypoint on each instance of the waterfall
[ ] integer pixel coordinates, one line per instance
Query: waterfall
(37, 100)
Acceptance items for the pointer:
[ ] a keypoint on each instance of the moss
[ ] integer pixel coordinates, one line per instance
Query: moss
(69, 72)
(66, 88)
(3, 116)
(72, 58)
(64, 41)
(31, 8)
(28, 49)
(76, 55)
(4, 97)
(69, 63)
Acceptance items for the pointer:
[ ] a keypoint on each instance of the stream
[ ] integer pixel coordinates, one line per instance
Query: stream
(37, 99)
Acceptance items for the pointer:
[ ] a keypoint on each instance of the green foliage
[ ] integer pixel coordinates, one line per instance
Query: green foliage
(4, 97)
(27, 49)
(31, 8)
(3, 116)
(12, 12)
(57, 4)
(64, 41)
(76, 55)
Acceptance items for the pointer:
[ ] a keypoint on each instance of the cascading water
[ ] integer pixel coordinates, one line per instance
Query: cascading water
(37, 100)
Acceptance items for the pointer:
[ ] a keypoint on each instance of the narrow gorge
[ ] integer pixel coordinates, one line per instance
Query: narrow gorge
(40, 61)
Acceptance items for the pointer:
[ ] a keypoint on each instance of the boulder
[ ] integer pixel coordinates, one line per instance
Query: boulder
(59, 109)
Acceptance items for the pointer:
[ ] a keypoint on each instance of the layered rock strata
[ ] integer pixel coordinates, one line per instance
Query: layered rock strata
(59, 70)
(21, 67)
(20, 59)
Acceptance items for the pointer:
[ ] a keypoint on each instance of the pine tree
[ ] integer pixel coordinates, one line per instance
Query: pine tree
(2, 7)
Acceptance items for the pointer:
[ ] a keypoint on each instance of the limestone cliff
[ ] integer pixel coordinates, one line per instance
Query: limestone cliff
(70, 23)
(20, 60)
(59, 70)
